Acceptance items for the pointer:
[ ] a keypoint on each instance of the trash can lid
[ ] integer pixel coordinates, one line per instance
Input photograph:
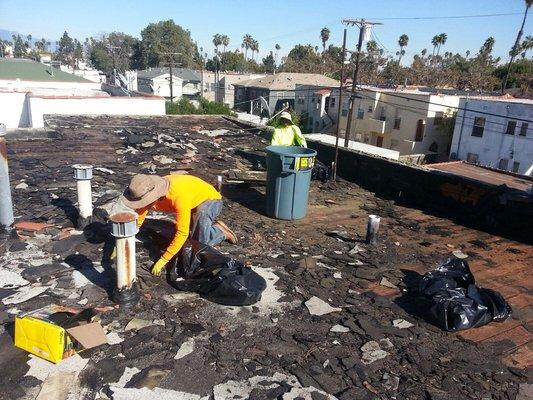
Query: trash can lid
(291, 151)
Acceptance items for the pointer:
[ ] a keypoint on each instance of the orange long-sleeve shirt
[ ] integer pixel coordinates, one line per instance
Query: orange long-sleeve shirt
(185, 193)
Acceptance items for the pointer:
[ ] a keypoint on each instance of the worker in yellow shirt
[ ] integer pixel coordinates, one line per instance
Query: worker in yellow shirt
(196, 203)
(287, 134)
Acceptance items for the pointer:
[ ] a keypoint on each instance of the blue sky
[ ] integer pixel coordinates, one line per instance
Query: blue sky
(285, 22)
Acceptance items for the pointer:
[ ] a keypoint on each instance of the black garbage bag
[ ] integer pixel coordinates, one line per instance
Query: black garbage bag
(320, 172)
(216, 277)
(455, 303)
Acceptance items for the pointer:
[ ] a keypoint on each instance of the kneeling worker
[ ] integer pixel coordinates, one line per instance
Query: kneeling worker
(287, 134)
(194, 201)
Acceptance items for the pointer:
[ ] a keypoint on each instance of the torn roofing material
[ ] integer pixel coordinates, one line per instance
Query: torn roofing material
(321, 257)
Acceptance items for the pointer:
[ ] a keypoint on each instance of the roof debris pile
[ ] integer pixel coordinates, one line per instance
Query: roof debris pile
(332, 322)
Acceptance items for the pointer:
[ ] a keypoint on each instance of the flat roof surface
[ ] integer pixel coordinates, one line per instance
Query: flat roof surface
(23, 69)
(357, 146)
(484, 175)
(331, 300)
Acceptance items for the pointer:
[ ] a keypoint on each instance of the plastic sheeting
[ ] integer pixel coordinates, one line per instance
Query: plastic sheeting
(455, 302)
(216, 277)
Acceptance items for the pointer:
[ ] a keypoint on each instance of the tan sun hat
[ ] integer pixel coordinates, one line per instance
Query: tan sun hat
(143, 190)
(285, 115)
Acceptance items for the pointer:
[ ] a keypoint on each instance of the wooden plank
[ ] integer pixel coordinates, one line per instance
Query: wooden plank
(488, 331)
(521, 358)
(519, 336)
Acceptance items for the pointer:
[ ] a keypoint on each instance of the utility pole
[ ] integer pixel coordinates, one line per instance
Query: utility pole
(364, 30)
(334, 172)
(169, 55)
(112, 48)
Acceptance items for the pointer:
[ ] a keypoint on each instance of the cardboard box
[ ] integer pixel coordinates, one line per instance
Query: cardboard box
(40, 333)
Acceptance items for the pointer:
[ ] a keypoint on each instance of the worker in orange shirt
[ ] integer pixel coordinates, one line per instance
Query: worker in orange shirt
(196, 203)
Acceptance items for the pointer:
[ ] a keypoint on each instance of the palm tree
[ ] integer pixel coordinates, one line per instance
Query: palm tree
(402, 42)
(217, 41)
(324, 35)
(442, 40)
(526, 45)
(277, 47)
(514, 50)
(435, 42)
(224, 41)
(372, 47)
(246, 43)
(254, 47)
(424, 52)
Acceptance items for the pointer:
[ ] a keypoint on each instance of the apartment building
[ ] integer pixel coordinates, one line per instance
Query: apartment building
(223, 91)
(410, 121)
(278, 90)
(495, 132)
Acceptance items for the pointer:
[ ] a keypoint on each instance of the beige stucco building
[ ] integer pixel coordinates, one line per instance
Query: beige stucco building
(406, 120)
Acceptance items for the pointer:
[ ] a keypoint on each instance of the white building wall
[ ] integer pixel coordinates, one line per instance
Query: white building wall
(380, 108)
(161, 86)
(39, 106)
(18, 85)
(494, 145)
(14, 110)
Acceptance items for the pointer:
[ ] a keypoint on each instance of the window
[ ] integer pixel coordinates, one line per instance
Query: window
(472, 158)
(344, 112)
(438, 118)
(516, 166)
(503, 163)
(382, 116)
(300, 100)
(312, 100)
(360, 113)
(479, 127)
(332, 101)
(434, 147)
(420, 128)
(511, 126)
(523, 129)
(370, 109)
(397, 122)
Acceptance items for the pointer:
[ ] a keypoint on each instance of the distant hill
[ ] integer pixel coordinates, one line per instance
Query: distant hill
(7, 35)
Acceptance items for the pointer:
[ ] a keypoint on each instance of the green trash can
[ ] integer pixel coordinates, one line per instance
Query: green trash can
(289, 170)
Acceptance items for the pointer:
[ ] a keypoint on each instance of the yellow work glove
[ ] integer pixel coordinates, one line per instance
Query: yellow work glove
(158, 266)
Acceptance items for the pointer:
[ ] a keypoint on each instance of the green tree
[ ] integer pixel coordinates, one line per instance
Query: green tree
(269, 63)
(324, 36)
(233, 61)
(164, 37)
(116, 50)
(20, 48)
(65, 50)
(515, 50)
(402, 42)
(302, 58)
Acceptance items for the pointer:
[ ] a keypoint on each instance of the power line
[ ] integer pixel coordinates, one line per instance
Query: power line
(449, 16)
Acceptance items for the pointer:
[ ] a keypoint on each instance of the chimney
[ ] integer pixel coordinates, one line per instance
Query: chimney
(6, 203)
(124, 228)
(83, 175)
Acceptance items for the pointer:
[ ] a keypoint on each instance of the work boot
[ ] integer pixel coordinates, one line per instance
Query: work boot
(228, 233)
